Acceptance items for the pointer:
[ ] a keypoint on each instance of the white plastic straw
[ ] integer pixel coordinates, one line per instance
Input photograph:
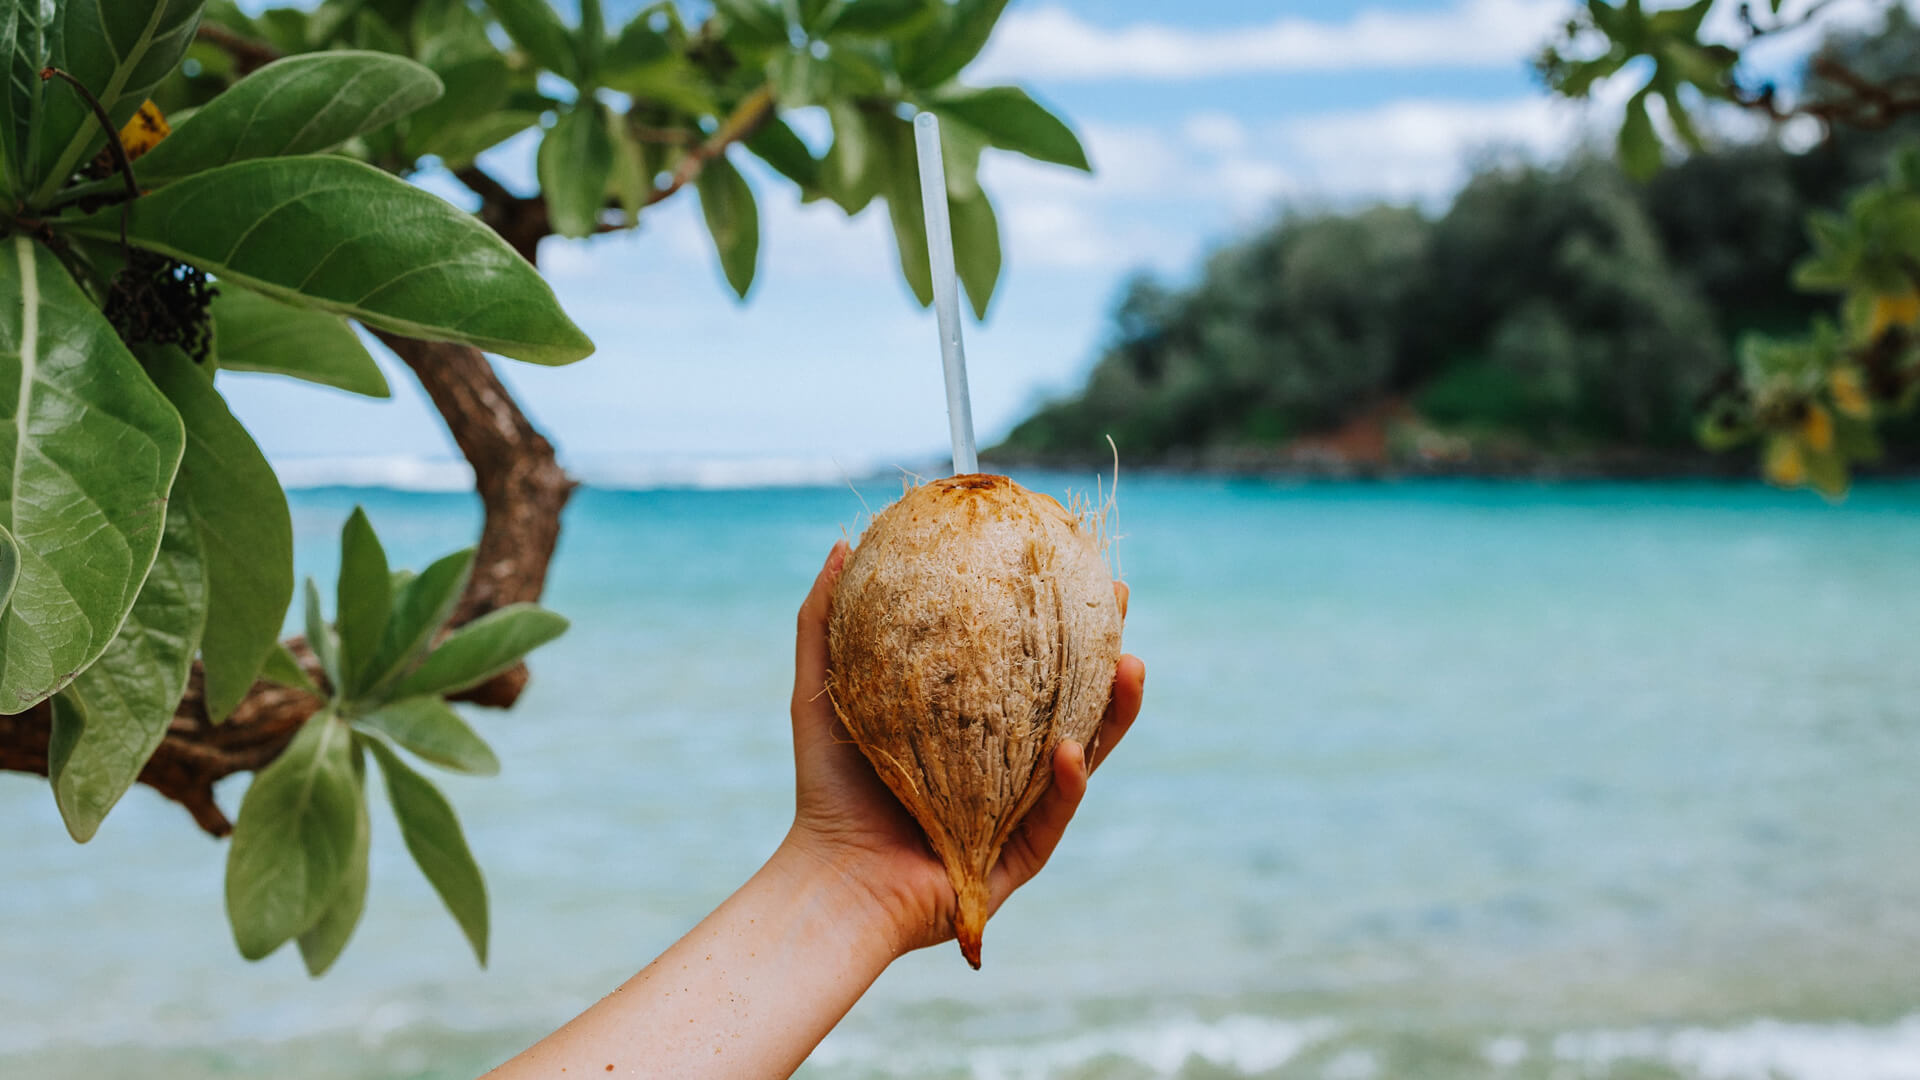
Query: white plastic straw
(946, 291)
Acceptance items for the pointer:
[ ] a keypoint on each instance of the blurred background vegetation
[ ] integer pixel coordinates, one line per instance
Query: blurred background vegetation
(1558, 318)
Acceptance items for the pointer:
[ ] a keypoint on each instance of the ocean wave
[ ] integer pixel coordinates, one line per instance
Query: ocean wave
(1761, 1050)
(419, 474)
(1242, 1045)
(393, 472)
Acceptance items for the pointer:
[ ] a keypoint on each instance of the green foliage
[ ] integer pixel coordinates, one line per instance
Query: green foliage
(85, 526)
(141, 529)
(291, 228)
(252, 332)
(1813, 399)
(302, 873)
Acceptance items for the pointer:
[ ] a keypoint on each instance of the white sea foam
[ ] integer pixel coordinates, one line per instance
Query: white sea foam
(395, 472)
(1761, 1050)
(1242, 1045)
(404, 473)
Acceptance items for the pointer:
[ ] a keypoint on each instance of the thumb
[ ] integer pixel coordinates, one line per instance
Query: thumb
(810, 639)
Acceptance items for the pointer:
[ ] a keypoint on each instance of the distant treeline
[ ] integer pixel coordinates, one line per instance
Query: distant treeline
(1551, 311)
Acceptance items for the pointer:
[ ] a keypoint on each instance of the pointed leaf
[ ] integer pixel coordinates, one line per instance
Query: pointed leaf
(881, 18)
(976, 248)
(733, 220)
(1639, 144)
(129, 694)
(88, 449)
(430, 728)
(1012, 121)
(895, 138)
(362, 601)
(438, 846)
(299, 105)
(234, 500)
(942, 50)
(482, 649)
(120, 51)
(576, 160)
(341, 236)
(320, 636)
(282, 668)
(420, 608)
(631, 182)
(294, 839)
(777, 145)
(533, 25)
(753, 22)
(321, 944)
(257, 333)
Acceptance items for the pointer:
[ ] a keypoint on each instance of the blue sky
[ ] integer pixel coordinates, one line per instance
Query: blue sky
(1202, 118)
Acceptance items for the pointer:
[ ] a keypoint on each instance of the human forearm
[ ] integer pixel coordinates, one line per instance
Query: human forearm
(747, 993)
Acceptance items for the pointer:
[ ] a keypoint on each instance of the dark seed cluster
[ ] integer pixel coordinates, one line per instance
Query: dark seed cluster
(157, 300)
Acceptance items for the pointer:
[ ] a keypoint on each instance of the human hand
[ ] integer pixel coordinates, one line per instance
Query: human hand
(846, 818)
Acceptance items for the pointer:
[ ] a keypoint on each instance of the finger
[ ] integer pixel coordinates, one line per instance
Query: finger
(810, 641)
(1120, 592)
(1129, 685)
(1044, 825)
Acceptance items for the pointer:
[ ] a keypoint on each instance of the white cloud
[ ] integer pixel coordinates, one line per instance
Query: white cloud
(1054, 43)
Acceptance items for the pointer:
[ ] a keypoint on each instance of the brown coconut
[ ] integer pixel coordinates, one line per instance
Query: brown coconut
(973, 629)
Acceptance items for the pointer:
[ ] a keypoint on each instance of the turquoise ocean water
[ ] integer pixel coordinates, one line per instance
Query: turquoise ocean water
(1434, 780)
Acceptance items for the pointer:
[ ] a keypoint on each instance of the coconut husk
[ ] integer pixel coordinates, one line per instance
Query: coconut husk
(974, 628)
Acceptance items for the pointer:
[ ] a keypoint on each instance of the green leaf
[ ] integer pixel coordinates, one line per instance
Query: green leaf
(1639, 144)
(482, 649)
(234, 500)
(433, 836)
(939, 52)
(128, 695)
(320, 944)
(477, 92)
(26, 46)
(458, 144)
(337, 235)
(430, 728)
(88, 449)
(1012, 121)
(638, 46)
(575, 164)
(976, 248)
(282, 668)
(851, 174)
(534, 27)
(894, 138)
(881, 18)
(320, 637)
(753, 22)
(256, 333)
(294, 840)
(733, 220)
(362, 602)
(118, 50)
(299, 105)
(777, 145)
(589, 39)
(9, 567)
(631, 182)
(420, 608)
(960, 150)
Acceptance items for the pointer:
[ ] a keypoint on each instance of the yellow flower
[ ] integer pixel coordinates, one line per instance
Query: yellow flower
(1786, 465)
(1849, 393)
(1817, 429)
(1893, 309)
(145, 130)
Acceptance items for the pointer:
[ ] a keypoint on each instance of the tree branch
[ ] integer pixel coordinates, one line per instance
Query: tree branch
(248, 55)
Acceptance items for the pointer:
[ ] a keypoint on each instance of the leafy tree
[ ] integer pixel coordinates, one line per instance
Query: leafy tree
(1814, 400)
(187, 188)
